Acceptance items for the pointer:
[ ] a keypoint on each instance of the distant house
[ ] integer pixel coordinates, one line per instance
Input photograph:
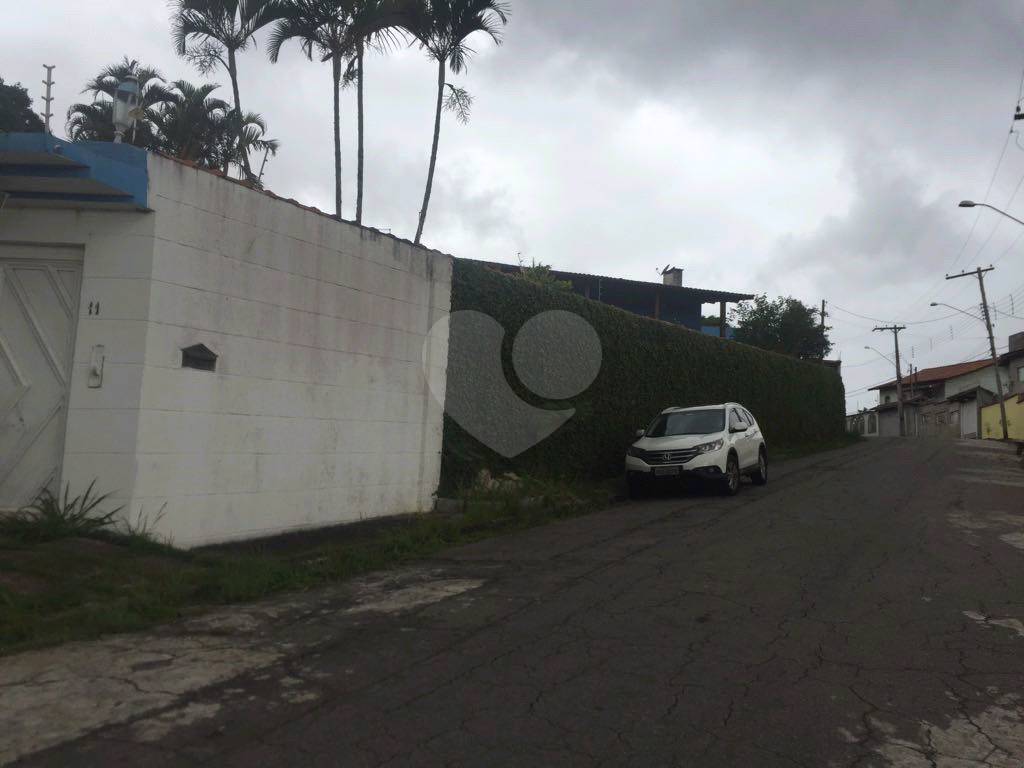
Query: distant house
(1014, 362)
(1013, 388)
(944, 401)
(668, 300)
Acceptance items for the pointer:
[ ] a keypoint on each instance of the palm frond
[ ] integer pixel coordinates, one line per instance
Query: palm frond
(458, 101)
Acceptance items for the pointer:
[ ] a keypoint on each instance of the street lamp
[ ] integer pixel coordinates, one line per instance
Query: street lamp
(991, 343)
(125, 106)
(955, 309)
(972, 204)
(880, 354)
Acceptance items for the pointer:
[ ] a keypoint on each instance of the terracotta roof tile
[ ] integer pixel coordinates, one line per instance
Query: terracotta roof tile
(940, 374)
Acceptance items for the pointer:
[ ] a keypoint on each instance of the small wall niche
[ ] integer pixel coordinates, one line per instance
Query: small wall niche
(200, 357)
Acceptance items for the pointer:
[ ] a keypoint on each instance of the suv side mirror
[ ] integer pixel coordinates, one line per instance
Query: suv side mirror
(738, 428)
(640, 432)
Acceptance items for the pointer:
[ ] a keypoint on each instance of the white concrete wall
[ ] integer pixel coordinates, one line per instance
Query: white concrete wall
(318, 411)
(117, 254)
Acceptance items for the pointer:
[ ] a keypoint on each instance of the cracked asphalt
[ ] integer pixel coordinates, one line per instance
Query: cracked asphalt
(863, 609)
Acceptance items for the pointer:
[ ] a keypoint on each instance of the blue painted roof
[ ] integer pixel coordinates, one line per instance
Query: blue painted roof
(39, 169)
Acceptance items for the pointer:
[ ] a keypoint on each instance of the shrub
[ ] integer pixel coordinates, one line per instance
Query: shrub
(647, 365)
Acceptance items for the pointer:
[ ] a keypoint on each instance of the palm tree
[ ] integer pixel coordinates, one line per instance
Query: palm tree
(338, 30)
(320, 25)
(442, 28)
(190, 124)
(242, 136)
(95, 121)
(220, 29)
(376, 24)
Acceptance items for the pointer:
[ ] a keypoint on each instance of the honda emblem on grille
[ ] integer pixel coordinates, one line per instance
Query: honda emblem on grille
(666, 456)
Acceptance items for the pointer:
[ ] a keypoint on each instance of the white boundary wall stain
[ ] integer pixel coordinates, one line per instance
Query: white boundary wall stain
(318, 410)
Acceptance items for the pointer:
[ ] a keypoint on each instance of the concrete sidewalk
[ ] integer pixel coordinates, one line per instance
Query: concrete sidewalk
(57, 694)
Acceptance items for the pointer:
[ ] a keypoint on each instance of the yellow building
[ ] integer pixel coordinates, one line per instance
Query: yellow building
(1014, 419)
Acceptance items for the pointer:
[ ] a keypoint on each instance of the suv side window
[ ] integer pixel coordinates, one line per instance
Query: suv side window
(735, 419)
(750, 419)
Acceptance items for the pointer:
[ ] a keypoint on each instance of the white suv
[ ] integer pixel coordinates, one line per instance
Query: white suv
(715, 442)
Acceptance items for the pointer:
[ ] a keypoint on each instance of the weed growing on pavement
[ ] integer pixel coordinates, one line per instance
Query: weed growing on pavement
(51, 517)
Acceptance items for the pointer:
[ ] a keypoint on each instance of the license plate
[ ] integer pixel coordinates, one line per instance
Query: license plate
(666, 471)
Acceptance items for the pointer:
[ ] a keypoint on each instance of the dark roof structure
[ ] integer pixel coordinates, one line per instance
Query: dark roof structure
(678, 304)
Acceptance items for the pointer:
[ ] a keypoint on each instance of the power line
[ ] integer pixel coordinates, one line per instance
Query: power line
(876, 320)
(930, 291)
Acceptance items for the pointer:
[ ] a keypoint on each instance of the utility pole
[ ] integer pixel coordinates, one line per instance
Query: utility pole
(991, 342)
(822, 329)
(910, 368)
(899, 376)
(48, 82)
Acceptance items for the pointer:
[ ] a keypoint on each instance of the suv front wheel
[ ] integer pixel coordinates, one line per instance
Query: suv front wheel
(731, 483)
(760, 475)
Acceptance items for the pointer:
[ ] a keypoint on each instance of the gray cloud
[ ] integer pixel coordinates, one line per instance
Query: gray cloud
(794, 148)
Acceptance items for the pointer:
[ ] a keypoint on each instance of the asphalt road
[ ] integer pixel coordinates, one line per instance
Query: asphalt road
(865, 608)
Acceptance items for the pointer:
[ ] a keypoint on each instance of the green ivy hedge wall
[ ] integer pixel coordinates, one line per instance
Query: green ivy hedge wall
(647, 365)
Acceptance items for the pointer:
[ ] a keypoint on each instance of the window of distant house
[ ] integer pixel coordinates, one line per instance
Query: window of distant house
(1020, 375)
(940, 418)
(954, 418)
(887, 398)
(872, 424)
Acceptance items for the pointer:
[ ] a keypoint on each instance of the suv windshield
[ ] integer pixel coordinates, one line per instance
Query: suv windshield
(688, 423)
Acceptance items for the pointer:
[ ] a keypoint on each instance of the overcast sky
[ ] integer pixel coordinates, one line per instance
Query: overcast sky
(807, 149)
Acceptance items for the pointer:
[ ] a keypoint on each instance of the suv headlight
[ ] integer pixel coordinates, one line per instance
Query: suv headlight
(634, 451)
(714, 445)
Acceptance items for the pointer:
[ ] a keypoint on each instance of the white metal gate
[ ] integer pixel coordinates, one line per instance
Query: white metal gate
(39, 289)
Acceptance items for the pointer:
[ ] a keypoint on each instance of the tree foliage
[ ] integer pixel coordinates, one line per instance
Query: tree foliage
(541, 274)
(180, 119)
(94, 121)
(786, 325)
(338, 31)
(211, 34)
(16, 113)
(442, 28)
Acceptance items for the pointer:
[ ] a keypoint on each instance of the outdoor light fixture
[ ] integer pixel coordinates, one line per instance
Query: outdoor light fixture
(972, 204)
(126, 104)
(956, 309)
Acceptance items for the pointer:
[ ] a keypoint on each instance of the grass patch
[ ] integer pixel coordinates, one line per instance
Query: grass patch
(73, 571)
